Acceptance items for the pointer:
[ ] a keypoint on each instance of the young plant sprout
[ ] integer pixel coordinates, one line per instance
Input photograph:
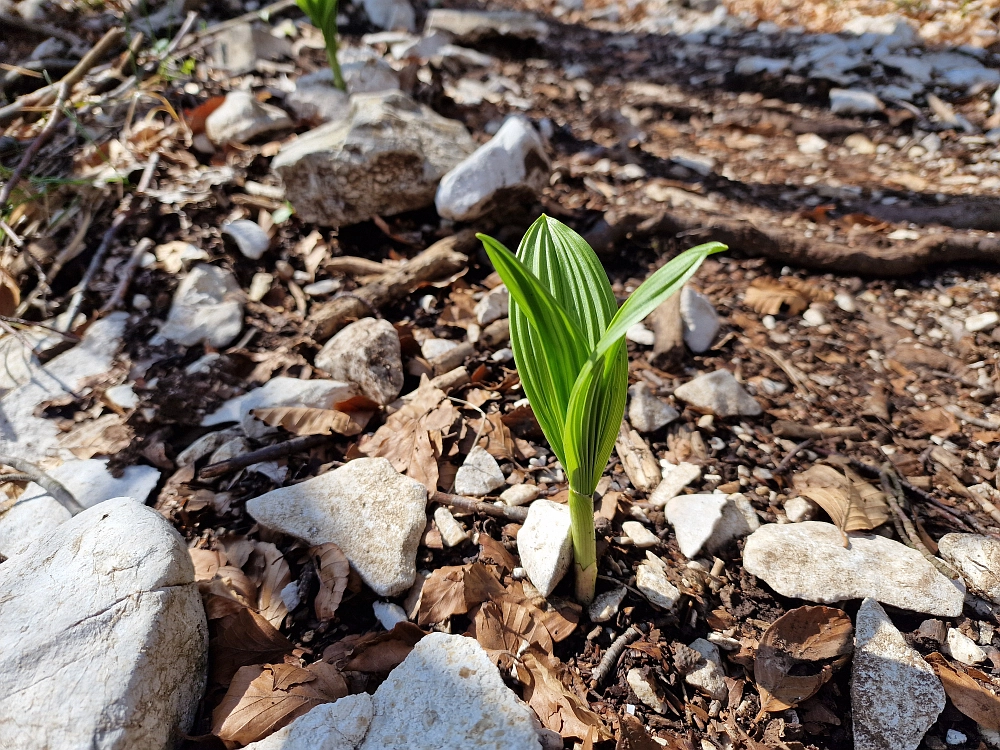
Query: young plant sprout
(323, 14)
(568, 337)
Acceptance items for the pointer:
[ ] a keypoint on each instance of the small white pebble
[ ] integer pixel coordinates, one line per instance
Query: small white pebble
(502, 355)
(769, 322)
(639, 334)
(641, 536)
(388, 614)
(954, 737)
(813, 316)
(452, 533)
(845, 302)
(981, 322)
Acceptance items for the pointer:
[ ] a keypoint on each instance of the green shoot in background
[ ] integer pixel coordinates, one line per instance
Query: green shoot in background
(323, 14)
(568, 337)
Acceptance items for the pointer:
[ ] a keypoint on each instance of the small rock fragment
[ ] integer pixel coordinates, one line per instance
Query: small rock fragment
(977, 558)
(708, 676)
(982, 322)
(652, 582)
(675, 479)
(854, 102)
(639, 334)
(709, 522)
(809, 561)
(368, 509)
(470, 26)
(895, 695)
(317, 102)
(433, 348)
(479, 474)
(366, 352)
(123, 396)
(845, 301)
(749, 66)
(510, 170)
(605, 606)
(392, 15)
(388, 614)
(545, 545)
(519, 494)
(251, 240)
(810, 143)
(799, 509)
(962, 648)
(645, 690)
(646, 411)
(341, 725)
(718, 393)
(641, 536)
(207, 307)
(701, 322)
(452, 533)
(241, 118)
(493, 306)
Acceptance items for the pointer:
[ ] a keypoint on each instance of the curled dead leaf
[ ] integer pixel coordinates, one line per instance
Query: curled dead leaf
(269, 570)
(558, 707)
(380, 653)
(971, 698)
(334, 571)
(852, 503)
(307, 420)
(799, 653)
(505, 628)
(456, 589)
(242, 639)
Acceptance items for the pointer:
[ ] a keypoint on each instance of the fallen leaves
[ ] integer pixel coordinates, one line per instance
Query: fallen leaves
(264, 698)
(454, 590)
(971, 698)
(307, 420)
(799, 653)
(333, 571)
(242, 639)
(852, 503)
(558, 707)
(10, 293)
(767, 296)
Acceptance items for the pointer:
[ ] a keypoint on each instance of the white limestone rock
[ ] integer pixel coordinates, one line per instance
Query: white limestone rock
(512, 168)
(452, 533)
(854, 102)
(708, 676)
(36, 513)
(368, 509)
(641, 537)
(962, 648)
(977, 558)
(341, 725)
(809, 561)
(799, 509)
(718, 393)
(645, 689)
(701, 322)
(652, 582)
(104, 639)
(241, 118)
(754, 64)
(207, 307)
(675, 478)
(709, 522)
(384, 157)
(250, 238)
(605, 606)
(388, 614)
(366, 352)
(470, 26)
(646, 411)
(318, 103)
(479, 474)
(519, 494)
(392, 15)
(895, 695)
(545, 545)
(493, 306)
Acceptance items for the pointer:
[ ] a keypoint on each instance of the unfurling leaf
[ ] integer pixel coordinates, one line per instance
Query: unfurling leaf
(333, 570)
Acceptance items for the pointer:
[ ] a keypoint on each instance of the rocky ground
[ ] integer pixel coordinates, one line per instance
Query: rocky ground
(255, 306)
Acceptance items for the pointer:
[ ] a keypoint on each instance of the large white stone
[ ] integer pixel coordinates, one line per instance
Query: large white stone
(241, 118)
(367, 353)
(709, 522)
(36, 513)
(104, 637)
(808, 561)
(545, 544)
(386, 156)
(646, 411)
(895, 695)
(977, 558)
(718, 393)
(479, 474)
(512, 168)
(35, 438)
(341, 725)
(280, 391)
(701, 322)
(368, 509)
(207, 306)
(470, 26)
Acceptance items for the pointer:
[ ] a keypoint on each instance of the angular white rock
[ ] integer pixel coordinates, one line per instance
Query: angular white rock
(317, 101)
(646, 411)
(280, 391)
(207, 307)
(645, 690)
(605, 606)
(249, 237)
(652, 583)
(36, 513)
(982, 321)
(392, 15)
(962, 648)
(977, 558)
(718, 393)
(808, 561)
(639, 334)
(641, 536)
(701, 322)
(708, 676)
(368, 509)
(479, 474)
(493, 306)
(895, 695)
(748, 66)
(241, 118)
(799, 509)
(511, 168)
(386, 156)
(469, 26)
(519, 494)
(675, 478)
(389, 615)
(452, 533)
(123, 396)
(434, 347)
(709, 522)
(545, 544)
(366, 352)
(854, 102)
(341, 725)
(108, 601)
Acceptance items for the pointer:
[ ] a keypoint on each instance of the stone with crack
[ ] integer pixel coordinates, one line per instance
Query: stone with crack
(977, 558)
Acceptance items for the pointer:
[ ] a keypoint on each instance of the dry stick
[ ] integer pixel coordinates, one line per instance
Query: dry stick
(787, 460)
(443, 258)
(511, 513)
(268, 453)
(40, 140)
(127, 273)
(610, 659)
(976, 421)
(56, 490)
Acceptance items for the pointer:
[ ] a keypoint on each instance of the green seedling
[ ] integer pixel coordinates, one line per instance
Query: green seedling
(568, 337)
(323, 14)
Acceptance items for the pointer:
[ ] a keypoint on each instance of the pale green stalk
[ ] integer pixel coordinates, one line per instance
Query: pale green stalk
(581, 517)
(323, 14)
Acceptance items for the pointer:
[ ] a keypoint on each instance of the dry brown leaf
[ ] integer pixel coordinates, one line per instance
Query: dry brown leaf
(852, 503)
(269, 570)
(105, 436)
(263, 699)
(492, 552)
(206, 563)
(969, 697)
(633, 735)
(10, 293)
(558, 707)
(456, 589)
(241, 639)
(333, 570)
(937, 421)
(380, 653)
(793, 660)
(503, 629)
(307, 420)
(766, 297)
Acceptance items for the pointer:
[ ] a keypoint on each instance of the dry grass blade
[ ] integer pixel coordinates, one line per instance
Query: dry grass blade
(333, 570)
(852, 503)
(969, 697)
(306, 420)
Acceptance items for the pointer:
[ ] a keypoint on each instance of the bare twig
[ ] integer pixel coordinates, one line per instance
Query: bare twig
(787, 460)
(511, 513)
(55, 489)
(267, 453)
(128, 272)
(966, 417)
(609, 661)
(40, 140)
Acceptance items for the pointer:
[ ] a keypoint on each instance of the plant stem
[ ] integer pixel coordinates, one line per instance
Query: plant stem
(331, 55)
(581, 514)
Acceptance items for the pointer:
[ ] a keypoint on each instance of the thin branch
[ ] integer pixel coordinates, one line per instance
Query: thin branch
(516, 514)
(268, 453)
(610, 659)
(40, 140)
(55, 489)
